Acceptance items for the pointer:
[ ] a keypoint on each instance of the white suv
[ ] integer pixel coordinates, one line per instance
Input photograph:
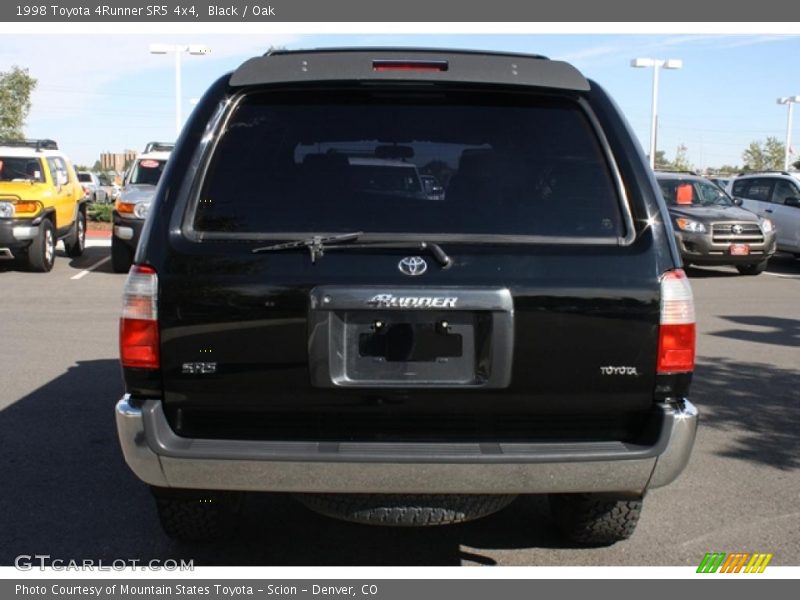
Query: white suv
(774, 195)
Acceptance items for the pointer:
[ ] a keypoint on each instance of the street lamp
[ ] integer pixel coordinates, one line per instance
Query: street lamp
(788, 100)
(193, 49)
(656, 64)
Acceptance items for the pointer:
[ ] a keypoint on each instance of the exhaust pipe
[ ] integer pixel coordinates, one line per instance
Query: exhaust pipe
(5, 254)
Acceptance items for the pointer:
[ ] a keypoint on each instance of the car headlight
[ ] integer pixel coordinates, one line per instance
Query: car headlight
(689, 225)
(767, 226)
(6, 210)
(141, 209)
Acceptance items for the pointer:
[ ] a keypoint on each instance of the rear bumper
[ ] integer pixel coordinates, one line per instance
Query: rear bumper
(161, 458)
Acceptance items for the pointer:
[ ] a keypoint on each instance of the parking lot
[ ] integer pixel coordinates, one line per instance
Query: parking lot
(68, 493)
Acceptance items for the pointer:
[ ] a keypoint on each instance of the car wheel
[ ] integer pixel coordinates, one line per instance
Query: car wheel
(195, 515)
(42, 251)
(752, 269)
(121, 256)
(405, 510)
(76, 242)
(595, 519)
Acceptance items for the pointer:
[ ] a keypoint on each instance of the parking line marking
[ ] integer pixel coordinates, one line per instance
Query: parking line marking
(92, 268)
(782, 275)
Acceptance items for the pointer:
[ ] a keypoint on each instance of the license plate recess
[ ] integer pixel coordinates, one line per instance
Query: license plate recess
(410, 337)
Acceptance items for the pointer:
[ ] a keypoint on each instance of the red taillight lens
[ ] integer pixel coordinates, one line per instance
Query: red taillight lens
(677, 333)
(410, 65)
(138, 327)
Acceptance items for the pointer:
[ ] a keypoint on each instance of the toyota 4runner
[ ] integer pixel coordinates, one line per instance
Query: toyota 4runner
(41, 202)
(297, 322)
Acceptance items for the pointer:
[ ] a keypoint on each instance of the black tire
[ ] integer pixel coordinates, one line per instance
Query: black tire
(76, 242)
(405, 510)
(42, 251)
(752, 269)
(195, 515)
(595, 519)
(121, 256)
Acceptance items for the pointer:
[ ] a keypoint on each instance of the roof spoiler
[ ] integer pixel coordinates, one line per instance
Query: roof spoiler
(397, 64)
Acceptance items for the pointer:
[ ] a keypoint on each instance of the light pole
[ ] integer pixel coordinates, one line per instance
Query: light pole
(788, 100)
(656, 64)
(194, 49)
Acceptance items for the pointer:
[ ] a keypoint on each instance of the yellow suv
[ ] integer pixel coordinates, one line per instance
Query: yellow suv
(41, 202)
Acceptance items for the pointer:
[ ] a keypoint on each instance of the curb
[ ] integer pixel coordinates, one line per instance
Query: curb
(98, 234)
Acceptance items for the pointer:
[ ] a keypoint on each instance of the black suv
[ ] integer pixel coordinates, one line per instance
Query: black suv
(711, 228)
(301, 318)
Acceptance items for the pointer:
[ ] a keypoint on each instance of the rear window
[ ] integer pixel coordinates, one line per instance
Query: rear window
(336, 162)
(84, 178)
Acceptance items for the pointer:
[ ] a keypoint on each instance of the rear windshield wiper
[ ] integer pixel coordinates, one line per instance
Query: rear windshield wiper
(318, 244)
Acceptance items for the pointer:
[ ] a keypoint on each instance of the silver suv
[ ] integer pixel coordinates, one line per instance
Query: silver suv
(773, 195)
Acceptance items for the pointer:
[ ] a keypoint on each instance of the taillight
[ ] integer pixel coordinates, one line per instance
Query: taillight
(138, 327)
(676, 337)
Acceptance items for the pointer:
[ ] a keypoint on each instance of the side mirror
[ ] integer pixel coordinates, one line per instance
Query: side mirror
(792, 201)
(737, 201)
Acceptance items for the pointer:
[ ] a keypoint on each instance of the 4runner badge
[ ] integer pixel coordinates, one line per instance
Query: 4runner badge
(391, 301)
(413, 265)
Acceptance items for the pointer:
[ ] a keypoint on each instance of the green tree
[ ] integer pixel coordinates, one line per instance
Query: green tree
(662, 162)
(16, 86)
(796, 165)
(681, 162)
(764, 156)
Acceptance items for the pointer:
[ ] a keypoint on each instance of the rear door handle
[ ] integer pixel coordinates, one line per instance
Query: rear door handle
(769, 210)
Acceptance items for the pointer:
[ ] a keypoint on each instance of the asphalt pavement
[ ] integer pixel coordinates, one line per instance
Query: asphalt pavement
(67, 492)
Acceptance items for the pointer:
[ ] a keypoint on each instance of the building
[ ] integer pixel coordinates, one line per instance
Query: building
(116, 161)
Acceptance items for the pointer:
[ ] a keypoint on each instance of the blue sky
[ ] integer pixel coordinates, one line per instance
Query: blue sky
(107, 93)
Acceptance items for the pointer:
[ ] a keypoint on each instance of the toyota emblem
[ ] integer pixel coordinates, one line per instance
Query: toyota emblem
(412, 266)
(737, 229)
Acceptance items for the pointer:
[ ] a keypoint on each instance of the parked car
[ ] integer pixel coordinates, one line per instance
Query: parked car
(388, 359)
(41, 202)
(710, 229)
(133, 203)
(776, 196)
(720, 181)
(92, 188)
(433, 188)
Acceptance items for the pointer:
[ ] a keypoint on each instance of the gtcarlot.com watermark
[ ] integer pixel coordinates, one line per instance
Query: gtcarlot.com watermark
(29, 562)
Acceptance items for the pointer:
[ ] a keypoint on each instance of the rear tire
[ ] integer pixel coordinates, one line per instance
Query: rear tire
(197, 516)
(121, 256)
(42, 251)
(752, 269)
(405, 510)
(76, 242)
(595, 519)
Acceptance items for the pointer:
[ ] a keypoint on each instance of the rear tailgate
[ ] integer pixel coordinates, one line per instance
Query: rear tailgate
(292, 350)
